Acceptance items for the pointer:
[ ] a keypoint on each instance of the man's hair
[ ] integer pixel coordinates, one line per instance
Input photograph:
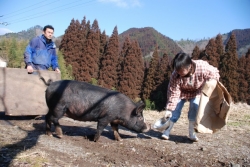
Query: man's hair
(49, 27)
(181, 60)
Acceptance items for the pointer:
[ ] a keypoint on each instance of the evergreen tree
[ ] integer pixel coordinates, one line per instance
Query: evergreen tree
(90, 54)
(228, 68)
(247, 75)
(220, 48)
(96, 48)
(71, 47)
(127, 82)
(66, 42)
(11, 51)
(211, 51)
(196, 53)
(66, 71)
(243, 85)
(139, 69)
(203, 55)
(124, 51)
(103, 45)
(149, 82)
(76, 37)
(159, 96)
(109, 63)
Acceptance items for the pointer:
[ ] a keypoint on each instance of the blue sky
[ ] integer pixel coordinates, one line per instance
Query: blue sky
(177, 19)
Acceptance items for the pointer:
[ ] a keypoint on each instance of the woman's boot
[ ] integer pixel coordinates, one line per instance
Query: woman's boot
(192, 135)
(165, 134)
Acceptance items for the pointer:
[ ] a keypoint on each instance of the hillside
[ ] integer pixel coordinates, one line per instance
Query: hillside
(242, 40)
(25, 34)
(148, 38)
(188, 45)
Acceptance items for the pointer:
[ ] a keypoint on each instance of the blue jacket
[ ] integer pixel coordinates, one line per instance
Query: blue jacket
(41, 55)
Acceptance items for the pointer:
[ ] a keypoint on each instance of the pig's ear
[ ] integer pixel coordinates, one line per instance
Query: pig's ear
(140, 107)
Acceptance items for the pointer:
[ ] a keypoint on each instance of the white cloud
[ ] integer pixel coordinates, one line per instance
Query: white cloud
(123, 3)
(4, 31)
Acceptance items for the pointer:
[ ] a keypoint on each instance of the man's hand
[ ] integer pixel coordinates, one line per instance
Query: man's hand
(57, 70)
(30, 69)
(168, 114)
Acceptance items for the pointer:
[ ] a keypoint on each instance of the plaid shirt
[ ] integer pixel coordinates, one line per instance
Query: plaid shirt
(190, 87)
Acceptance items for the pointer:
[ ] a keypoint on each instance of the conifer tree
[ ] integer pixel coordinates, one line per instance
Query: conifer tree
(90, 54)
(211, 51)
(103, 45)
(70, 46)
(228, 68)
(66, 42)
(109, 63)
(77, 50)
(196, 53)
(96, 48)
(13, 57)
(127, 83)
(149, 82)
(247, 75)
(82, 37)
(124, 51)
(203, 55)
(220, 47)
(139, 69)
(66, 71)
(243, 85)
(163, 73)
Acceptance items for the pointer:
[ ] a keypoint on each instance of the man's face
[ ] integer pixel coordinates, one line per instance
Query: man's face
(48, 33)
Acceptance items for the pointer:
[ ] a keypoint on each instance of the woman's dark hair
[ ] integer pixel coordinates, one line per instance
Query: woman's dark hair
(49, 27)
(181, 60)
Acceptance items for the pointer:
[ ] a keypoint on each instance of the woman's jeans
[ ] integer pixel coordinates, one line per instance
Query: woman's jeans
(193, 108)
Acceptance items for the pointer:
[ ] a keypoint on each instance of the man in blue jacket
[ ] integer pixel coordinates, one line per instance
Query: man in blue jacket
(40, 54)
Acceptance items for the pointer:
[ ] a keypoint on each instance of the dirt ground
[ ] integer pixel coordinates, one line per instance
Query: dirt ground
(23, 143)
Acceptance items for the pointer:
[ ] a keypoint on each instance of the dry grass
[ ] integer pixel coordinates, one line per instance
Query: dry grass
(239, 115)
(34, 159)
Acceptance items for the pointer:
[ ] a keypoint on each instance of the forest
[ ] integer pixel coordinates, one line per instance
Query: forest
(87, 54)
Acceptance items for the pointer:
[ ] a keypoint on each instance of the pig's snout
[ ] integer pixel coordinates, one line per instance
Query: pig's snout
(148, 127)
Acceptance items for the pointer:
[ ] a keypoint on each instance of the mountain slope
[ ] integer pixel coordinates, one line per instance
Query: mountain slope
(25, 34)
(242, 40)
(148, 38)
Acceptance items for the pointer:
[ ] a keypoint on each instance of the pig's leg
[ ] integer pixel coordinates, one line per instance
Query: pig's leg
(48, 124)
(57, 114)
(53, 118)
(58, 128)
(116, 133)
(100, 126)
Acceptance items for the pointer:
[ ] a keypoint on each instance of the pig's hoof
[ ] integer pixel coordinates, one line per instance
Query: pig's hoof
(49, 133)
(60, 136)
(96, 138)
(59, 132)
(118, 139)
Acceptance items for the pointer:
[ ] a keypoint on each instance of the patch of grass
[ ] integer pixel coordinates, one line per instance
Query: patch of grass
(242, 122)
(247, 117)
(35, 159)
(235, 124)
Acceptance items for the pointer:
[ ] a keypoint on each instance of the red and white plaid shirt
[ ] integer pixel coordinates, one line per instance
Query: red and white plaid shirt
(190, 87)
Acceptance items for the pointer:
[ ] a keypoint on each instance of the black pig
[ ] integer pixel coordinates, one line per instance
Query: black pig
(85, 102)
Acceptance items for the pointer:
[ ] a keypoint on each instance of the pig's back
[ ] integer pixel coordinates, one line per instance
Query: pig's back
(83, 93)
